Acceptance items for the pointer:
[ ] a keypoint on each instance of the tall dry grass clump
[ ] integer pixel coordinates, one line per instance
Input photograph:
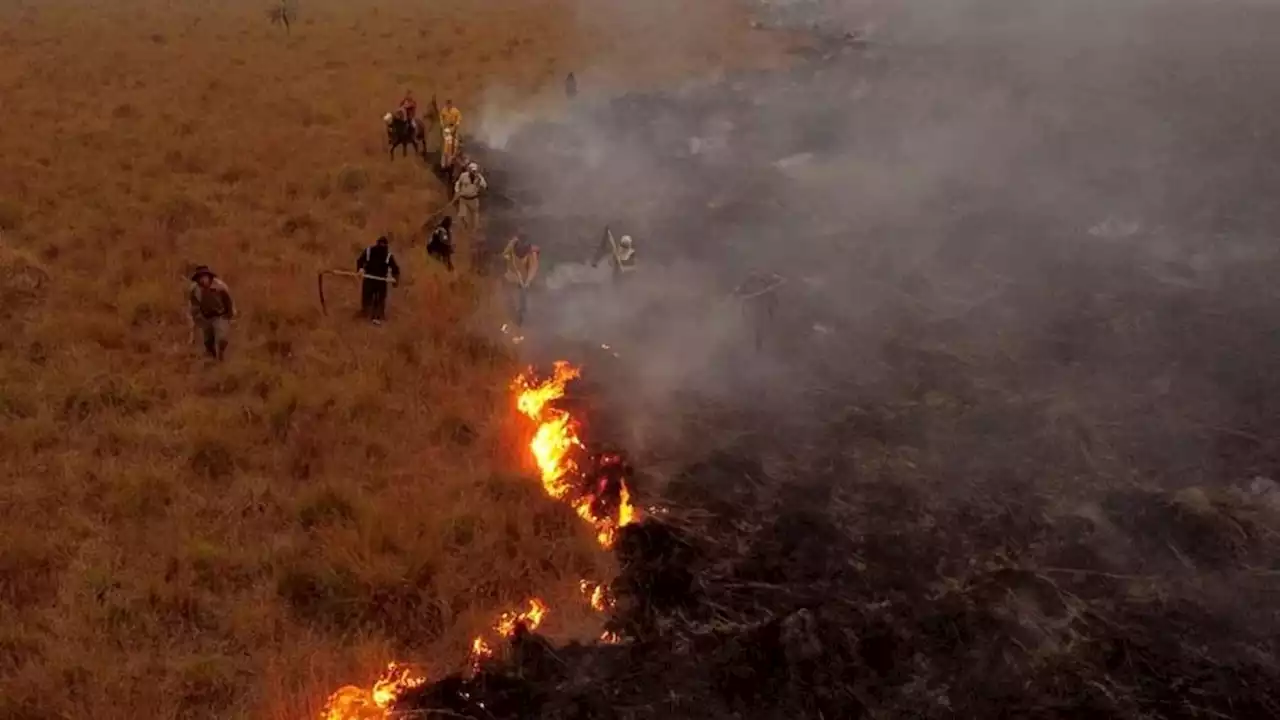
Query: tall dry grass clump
(184, 540)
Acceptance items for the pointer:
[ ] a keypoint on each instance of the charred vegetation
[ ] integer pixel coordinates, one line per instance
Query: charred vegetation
(1010, 484)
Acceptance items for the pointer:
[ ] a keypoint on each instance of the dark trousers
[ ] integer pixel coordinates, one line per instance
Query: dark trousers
(442, 252)
(214, 332)
(373, 299)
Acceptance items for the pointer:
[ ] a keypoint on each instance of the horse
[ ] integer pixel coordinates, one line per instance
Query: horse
(401, 134)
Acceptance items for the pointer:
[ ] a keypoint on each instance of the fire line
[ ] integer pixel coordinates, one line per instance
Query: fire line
(553, 448)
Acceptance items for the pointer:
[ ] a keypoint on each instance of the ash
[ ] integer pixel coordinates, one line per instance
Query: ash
(1006, 448)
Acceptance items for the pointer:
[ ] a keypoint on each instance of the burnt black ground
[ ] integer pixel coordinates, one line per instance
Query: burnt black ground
(1023, 473)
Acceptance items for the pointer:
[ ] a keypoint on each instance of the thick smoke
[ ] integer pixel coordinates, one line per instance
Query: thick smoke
(1068, 201)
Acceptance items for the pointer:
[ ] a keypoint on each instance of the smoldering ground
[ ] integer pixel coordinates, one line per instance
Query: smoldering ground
(1008, 433)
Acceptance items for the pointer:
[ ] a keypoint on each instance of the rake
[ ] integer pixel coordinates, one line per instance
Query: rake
(345, 273)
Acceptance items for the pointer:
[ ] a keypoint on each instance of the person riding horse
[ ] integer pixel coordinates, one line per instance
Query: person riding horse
(409, 107)
(401, 132)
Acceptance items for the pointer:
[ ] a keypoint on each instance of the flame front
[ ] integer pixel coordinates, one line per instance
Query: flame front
(553, 445)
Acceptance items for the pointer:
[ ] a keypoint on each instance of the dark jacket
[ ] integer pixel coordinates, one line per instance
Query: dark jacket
(441, 238)
(211, 302)
(377, 260)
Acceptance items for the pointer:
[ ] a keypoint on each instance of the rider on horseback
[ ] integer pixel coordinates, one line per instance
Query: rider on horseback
(409, 109)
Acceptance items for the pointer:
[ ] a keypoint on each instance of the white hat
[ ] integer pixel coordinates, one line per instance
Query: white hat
(386, 118)
(625, 241)
(472, 166)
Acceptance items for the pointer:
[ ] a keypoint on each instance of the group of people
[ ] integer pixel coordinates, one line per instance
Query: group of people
(211, 307)
(450, 115)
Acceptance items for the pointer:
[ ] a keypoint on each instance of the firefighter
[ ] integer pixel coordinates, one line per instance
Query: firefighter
(451, 117)
(211, 308)
(440, 246)
(570, 86)
(621, 253)
(380, 271)
(467, 191)
(522, 268)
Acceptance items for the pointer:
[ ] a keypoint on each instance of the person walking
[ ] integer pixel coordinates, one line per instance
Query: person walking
(467, 192)
(380, 270)
(440, 245)
(211, 310)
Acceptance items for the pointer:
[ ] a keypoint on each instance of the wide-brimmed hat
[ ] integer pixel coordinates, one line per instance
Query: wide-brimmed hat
(200, 271)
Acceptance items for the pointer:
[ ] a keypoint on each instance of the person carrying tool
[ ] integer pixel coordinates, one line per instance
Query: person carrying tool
(622, 254)
(440, 246)
(211, 308)
(380, 270)
(522, 267)
(467, 192)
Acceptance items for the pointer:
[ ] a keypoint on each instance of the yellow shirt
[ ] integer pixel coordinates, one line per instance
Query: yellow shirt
(451, 117)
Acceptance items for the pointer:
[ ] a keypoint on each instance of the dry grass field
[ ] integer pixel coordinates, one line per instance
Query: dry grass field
(185, 540)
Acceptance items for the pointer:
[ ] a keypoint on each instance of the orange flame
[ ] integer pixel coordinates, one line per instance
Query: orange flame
(596, 594)
(506, 627)
(354, 703)
(552, 445)
(554, 440)
(530, 618)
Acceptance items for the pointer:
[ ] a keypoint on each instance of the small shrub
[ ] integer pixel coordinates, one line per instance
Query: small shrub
(210, 458)
(298, 223)
(16, 405)
(358, 216)
(180, 213)
(107, 394)
(28, 571)
(208, 687)
(146, 304)
(235, 174)
(326, 506)
(352, 179)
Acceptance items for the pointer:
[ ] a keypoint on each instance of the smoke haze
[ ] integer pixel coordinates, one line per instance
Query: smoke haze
(1065, 205)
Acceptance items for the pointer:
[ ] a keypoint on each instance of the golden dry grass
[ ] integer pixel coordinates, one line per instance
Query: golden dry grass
(179, 540)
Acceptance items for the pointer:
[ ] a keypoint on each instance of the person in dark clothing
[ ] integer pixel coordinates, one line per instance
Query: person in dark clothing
(211, 308)
(381, 271)
(440, 246)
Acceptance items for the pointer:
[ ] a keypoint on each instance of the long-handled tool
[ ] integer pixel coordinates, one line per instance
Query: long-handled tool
(346, 273)
(426, 226)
